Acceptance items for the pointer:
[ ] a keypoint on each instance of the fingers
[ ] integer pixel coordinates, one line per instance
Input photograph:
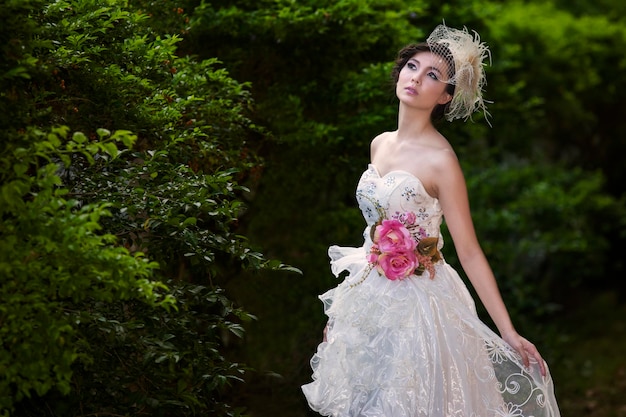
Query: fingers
(529, 349)
(526, 350)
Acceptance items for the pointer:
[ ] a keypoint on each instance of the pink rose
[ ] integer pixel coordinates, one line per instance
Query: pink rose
(397, 265)
(392, 237)
(393, 251)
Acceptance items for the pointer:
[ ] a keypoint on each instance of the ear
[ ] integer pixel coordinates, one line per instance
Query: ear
(444, 98)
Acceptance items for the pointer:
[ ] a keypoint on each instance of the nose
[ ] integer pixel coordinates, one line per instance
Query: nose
(416, 78)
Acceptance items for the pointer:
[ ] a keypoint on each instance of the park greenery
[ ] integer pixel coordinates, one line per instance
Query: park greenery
(172, 173)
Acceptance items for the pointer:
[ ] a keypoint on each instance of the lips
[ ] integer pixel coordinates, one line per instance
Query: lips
(410, 90)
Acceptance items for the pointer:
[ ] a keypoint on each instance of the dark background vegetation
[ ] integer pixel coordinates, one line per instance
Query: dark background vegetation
(172, 173)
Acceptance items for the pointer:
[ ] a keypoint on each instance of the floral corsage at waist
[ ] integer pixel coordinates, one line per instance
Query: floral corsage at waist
(397, 253)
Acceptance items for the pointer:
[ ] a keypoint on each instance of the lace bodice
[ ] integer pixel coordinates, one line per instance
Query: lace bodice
(397, 193)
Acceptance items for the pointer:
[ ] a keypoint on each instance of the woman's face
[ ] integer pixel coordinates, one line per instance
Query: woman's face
(422, 81)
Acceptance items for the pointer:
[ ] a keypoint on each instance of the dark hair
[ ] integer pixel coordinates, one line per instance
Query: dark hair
(407, 53)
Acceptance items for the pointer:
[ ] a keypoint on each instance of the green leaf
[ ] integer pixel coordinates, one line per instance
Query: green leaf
(79, 137)
(110, 149)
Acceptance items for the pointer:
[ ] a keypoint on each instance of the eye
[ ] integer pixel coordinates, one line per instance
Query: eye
(411, 65)
(433, 75)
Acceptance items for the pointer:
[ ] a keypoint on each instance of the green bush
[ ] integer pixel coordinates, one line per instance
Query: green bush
(115, 245)
(541, 233)
(55, 255)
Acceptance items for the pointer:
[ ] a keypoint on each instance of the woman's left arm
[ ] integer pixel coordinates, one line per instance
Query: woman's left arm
(449, 184)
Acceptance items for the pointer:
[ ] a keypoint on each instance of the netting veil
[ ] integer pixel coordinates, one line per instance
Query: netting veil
(466, 55)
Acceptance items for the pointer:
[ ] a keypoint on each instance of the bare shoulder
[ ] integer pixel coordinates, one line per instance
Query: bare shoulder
(446, 169)
(375, 144)
(440, 154)
(443, 159)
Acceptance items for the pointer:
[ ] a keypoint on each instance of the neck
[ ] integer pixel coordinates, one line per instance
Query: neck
(413, 123)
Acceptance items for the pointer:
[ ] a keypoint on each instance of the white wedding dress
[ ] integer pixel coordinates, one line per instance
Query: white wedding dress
(413, 347)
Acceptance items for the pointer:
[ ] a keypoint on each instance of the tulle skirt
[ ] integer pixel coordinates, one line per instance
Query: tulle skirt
(416, 348)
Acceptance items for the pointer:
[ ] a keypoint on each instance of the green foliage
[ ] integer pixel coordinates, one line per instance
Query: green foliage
(80, 211)
(556, 75)
(18, 63)
(291, 49)
(541, 232)
(53, 255)
(153, 362)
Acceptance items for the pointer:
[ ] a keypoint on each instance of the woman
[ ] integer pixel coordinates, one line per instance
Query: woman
(403, 338)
